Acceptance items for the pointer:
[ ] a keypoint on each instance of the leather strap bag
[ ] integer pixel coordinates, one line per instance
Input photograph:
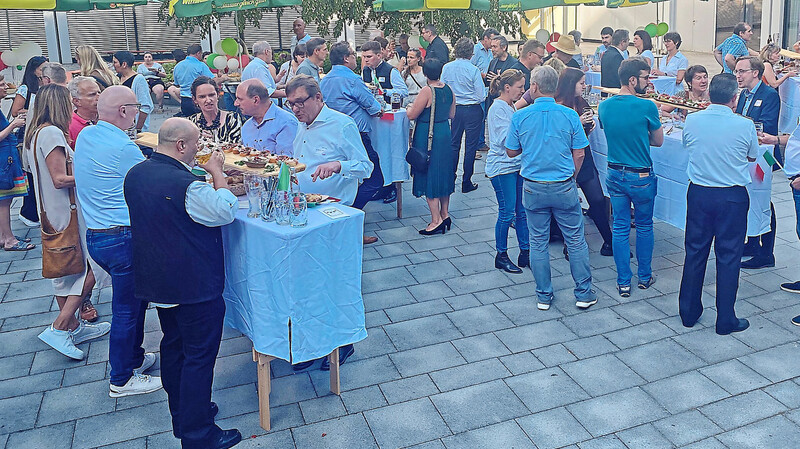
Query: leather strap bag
(419, 158)
(61, 251)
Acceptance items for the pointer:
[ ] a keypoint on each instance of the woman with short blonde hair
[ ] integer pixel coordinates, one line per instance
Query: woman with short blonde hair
(93, 65)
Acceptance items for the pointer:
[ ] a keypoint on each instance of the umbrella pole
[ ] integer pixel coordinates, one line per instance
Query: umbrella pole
(8, 28)
(125, 29)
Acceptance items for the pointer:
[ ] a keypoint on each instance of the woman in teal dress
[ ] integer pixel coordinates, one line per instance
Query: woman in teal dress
(439, 182)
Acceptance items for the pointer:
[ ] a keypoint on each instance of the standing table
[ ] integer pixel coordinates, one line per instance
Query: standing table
(295, 292)
(389, 137)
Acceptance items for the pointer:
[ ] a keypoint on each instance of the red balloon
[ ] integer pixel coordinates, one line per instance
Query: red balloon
(554, 37)
(244, 61)
(2, 64)
(550, 47)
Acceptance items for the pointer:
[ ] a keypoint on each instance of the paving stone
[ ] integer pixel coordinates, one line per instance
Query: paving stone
(734, 376)
(473, 264)
(493, 296)
(139, 443)
(28, 307)
(422, 332)
(616, 376)
(433, 271)
(21, 342)
(321, 409)
(19, 413)
(708, 443)
(545, 389)
(478, 282)
(638, 312)
(712, 348)
(393, 249)
(771, 363)
(384, 262)
(685, 391)
(506, 434)
(645, 436)
(763, 334)
(347, 432)
(235, 370)
(272, 440)
(77, 401)
(553, 428)
(36, 383)
(595, 322)
(434, 444)
(585, 348)
(358, 374)
(458, 410)
(772, 432)
(672, 359)
(416, 258)
(605, 442)
(479, 320)
(356, 401)
(616, 411)
(376, 318)
(293, 388)
(443, 241)
(376, 344)
(751, 407)
(231, 401)
(480, 347)
(406, 424)
(787, 392)
(687, 427)
(29, 289)
(386, 279)
(430, 290)
(418, 310)
(463, 301)
(469, 374)
(425, 359)
(522, 362)
(537, 335)
(122, 425)
(639, 334)
(408, 388)
(15, 366)
(554, 355)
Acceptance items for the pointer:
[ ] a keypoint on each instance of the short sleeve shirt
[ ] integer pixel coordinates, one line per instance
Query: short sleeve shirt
(627, 121)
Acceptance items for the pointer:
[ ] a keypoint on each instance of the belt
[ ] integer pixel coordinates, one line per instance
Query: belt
(465, 105)
(111, 231)
(547, 182)
(630, 169)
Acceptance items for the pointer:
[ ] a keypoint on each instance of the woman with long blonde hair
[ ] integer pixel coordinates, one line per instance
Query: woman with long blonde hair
(770, 55)
(50, 157)
(93, 65)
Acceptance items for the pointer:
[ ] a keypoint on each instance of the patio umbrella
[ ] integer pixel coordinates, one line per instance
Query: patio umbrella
(194, 8)
(527, 5)
(628, 3)
(428, 5)
(68, 5)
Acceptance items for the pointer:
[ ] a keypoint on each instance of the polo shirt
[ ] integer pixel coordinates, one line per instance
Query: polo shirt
(308, 68)
(627, 121)
(186, 71)
(258, 69)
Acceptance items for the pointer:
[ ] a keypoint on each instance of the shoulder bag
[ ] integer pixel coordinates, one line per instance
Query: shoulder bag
(61, 251)
(419, 158)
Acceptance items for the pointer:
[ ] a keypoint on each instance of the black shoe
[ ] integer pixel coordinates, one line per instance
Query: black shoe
(566, 253)
(796, 320)
(447, 222)
(606, 250)
(437, 230)
(227, 439)
(750, 250)
(466, 188)
(344, 353)
(502, 262)
(391, 197)
(524, 259)
(302, 365)
(690, 323)
(743, 324)
(758, 262)
(214, 410)
(791, 287)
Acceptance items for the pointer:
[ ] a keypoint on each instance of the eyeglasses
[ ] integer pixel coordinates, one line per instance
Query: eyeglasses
(138, 106)
(742, 72)
(300, 104)
(645, 77)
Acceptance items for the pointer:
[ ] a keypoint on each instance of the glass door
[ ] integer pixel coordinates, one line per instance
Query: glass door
(731, 12)
(791, 23)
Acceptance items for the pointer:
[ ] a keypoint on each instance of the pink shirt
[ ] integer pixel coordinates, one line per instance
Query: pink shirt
(75, 126)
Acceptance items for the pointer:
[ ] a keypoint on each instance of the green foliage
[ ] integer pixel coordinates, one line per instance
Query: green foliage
(204, 23)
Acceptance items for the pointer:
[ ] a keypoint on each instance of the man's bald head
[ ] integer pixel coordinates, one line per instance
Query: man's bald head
(252, 97)
(178, 138)
(109, 106)
(299, 27)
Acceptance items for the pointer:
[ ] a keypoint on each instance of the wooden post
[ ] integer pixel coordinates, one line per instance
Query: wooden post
(399, 187)
(264, 387)
(333, 360)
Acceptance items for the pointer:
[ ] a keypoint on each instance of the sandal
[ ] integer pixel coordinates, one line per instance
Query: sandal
(23, 239)
(20, 246)
(88, 312)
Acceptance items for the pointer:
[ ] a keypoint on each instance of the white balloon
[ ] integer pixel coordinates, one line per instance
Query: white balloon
(9, 58)
(220, 62)
(31, 48)
(233, 64)
(218, 48)
(413, 41)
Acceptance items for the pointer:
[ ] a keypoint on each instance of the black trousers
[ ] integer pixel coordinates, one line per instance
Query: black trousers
(188, 107)
(373, 184)
(763, 246)
(28, 209)
(717, 215)
(467, 122)
(192, 333)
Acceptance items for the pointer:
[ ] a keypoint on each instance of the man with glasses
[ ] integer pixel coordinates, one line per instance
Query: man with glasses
(344, 92)
(437, 49)
(53, 73)
(532, 56)
(734, 47)
(761, 103)
(632, 125)
(269, 127)
(104, 154)
(317, 53)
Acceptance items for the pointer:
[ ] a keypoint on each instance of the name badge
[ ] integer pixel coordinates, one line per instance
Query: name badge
(382, 79)
(757, 103)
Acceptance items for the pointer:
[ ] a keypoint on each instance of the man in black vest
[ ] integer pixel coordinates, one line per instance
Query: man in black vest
(380, 73)
(178, 262)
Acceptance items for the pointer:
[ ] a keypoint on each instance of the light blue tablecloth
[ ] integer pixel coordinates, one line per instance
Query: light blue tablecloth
(670, 163)
(390, 140)
(310, 276)
(790, 105)
(662, 84)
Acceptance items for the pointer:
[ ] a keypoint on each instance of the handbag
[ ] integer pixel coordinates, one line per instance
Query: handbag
(419, 158)
(62, 254)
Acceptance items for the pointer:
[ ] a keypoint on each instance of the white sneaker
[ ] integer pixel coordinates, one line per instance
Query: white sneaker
(26, 222)
(147, 363)
(87, 331)
(62, 342)
(137, 384)
(584, 304)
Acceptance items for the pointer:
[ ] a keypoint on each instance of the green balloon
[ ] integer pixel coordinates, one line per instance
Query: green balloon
(20, 67)
(210, 60)
(422, 42)
(651, 29)
(229, 46)
(662, 28)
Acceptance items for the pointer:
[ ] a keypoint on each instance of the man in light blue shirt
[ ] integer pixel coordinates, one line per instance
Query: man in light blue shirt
(300, 35)
(550, 141)
(184, 74)
(103, 156)
(721, 145)
(258, 68)
(468, 89)
(481, 57)
(345, 92)
(269, 127)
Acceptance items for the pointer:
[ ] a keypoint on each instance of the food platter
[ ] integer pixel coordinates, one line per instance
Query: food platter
(249, 160)
(677, 101)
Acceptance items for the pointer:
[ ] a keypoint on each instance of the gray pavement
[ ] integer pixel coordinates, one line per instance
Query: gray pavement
(457, 356)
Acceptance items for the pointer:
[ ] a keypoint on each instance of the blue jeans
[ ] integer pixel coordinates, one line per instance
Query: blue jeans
(508, 189)
(114, 254)
(796, 194)
(561, 201)
(626, 187)
(482, 135)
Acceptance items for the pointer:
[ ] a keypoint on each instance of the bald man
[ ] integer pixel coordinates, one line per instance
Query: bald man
(103, 155)
(175, 227)
(300, 35)
(269, 127)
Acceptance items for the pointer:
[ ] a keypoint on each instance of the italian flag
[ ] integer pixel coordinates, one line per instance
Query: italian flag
(770, 162)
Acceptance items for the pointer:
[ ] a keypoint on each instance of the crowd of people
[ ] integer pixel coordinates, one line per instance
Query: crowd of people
(139, 216)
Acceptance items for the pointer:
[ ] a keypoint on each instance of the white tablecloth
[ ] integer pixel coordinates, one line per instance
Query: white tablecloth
(309, 276)
(662, 84)
(790, 105)
(670, 163)
(390, 140)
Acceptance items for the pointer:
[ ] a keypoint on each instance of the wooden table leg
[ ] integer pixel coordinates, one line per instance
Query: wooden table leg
(333, 360)
(399, 187)
(264, 387)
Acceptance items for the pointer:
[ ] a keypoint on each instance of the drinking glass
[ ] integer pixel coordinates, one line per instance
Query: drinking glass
(759, 127)
(268, 199)
(298, 210)
(282, 203)
(253, 187)
(588, 110)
